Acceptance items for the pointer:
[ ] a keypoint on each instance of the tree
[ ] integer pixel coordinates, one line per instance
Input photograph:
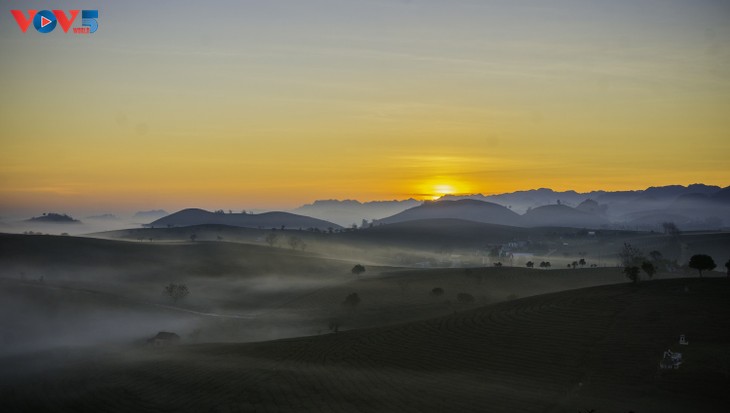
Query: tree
(702, 262)
(437, 292)
(351, 301)
(727, 265)
(334, 326)
(295, 242)
(271, 239)
(632, 273)
(648, 268)
(176, 291)
(655, 255)
(582, 262)
(497, 264)
(465, 298)
(193, 237)
(630, 256)
(574, 264)
(530, 264)
(358, 269)
(670, 228)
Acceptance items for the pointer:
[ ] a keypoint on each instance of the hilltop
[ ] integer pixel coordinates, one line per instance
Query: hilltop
(195, 216)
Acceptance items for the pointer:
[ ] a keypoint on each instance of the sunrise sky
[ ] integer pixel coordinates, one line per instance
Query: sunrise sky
(274, 103)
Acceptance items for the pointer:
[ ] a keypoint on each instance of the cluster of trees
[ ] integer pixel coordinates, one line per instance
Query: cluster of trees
(634, 262)
(272, 238)
(176, 292)
(543, 264)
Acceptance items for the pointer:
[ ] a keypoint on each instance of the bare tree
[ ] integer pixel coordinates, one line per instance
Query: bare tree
(295, 242)
(271, 239)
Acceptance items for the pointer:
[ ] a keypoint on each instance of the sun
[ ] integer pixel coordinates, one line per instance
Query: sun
(441, 190)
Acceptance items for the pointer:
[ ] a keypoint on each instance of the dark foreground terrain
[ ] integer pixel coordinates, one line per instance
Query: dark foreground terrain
(594, 348)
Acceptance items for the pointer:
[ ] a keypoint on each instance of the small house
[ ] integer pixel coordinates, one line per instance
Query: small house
(164, 339)
(670, 360)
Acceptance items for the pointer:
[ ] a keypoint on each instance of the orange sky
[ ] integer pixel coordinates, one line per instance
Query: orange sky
(275, 104)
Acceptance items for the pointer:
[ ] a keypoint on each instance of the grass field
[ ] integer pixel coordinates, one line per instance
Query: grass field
(595, 348)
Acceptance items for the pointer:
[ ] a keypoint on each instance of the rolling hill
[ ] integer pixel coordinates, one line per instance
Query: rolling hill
(562, 216)
(595, 348)
(464, 209)
(194, 216)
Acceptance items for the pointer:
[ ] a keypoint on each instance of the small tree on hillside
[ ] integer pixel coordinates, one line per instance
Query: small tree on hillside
(648, 268)
(295, 242)
(582, 262)
(193, 237)
(656, 256)
(465, 298)
(351, 301)
(358, 269)
(176, 291)
(271, 238)
(630, 256)
(701, 262)
(497, 264)
(631, 259)
(670, 228)
(530, 264)
(632, 273)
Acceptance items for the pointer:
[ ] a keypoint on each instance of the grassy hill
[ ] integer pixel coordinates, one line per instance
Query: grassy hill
(595, 348)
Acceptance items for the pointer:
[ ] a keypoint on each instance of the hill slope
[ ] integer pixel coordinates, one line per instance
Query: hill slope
(194, 216)
(595, 348)
(562, 216)
(465, 209)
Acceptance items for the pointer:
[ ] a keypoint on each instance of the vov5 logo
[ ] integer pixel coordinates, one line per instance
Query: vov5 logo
(45, 21)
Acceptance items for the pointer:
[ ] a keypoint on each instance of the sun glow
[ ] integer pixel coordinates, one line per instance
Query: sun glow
(441, 190)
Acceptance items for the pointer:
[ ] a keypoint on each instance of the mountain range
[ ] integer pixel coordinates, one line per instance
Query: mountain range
(692, 207)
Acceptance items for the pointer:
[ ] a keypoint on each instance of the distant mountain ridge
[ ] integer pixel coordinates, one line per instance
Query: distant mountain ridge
(348, 212)
(692, 207)
(195, 216)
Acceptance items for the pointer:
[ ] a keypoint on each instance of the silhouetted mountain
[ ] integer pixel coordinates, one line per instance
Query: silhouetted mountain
(562, 216)
(465, 209)
(54, 218)
(722, 195)
(194, 216)
(592, 207)
(350, 212)
(696, 206)
(521, 201)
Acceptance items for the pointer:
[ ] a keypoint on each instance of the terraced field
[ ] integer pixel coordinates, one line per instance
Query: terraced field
(594, 348)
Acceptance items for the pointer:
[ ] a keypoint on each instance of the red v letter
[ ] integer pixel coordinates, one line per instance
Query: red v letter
(63, 21)
(23, 23)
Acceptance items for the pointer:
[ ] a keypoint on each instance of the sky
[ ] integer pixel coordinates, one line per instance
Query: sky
(276, 103)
